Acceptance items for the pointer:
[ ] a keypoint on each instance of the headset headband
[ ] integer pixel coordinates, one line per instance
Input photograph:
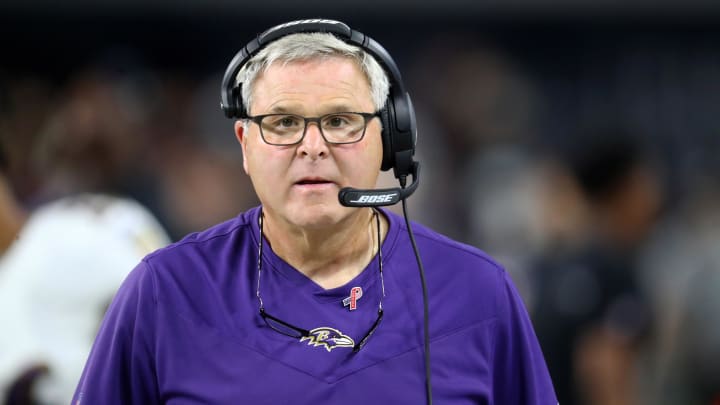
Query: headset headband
(337, 28)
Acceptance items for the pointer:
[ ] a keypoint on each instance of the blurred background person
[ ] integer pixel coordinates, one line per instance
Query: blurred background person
(476, 110)
(680, 271)
(65, 250)
(592, 315)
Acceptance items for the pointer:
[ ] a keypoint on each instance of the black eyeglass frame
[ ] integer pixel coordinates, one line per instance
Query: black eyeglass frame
(257, 119)
(305, 332)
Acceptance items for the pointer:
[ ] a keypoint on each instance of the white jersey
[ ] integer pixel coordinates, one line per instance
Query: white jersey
(57, 278)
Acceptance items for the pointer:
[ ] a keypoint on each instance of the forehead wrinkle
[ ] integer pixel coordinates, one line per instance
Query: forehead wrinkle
(286, 88)
(332, 104)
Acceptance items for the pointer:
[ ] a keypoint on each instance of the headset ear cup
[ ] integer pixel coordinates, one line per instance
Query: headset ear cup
(402, 118)
(388, 158)
(237, 101)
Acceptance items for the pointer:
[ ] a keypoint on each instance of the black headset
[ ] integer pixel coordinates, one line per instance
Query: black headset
(399, 133)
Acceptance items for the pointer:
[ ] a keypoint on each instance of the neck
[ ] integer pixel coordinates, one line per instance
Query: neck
(12, 218)
(330, 256)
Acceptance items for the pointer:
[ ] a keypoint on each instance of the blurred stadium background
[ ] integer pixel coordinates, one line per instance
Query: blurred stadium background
(576, 141)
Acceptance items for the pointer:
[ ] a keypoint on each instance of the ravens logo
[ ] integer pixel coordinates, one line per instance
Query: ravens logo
(329, 338)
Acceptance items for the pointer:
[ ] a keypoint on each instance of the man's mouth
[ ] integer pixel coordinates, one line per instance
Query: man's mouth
(303, 182)
(313, 183)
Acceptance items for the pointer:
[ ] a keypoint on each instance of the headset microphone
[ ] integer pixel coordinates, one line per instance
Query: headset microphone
(353, 197)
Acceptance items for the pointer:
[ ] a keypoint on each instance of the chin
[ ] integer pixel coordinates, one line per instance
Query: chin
(318, 215)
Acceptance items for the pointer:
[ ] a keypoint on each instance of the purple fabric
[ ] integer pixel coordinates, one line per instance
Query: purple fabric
(184, 328)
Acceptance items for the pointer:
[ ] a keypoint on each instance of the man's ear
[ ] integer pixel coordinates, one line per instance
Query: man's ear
(242, 139)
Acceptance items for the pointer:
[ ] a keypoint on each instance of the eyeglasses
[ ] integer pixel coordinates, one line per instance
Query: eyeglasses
(288, 329)
(290, 129)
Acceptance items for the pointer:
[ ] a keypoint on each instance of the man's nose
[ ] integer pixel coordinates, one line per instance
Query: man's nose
(313, 144)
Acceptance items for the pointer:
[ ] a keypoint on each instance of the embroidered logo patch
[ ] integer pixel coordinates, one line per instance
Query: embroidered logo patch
(328, 338)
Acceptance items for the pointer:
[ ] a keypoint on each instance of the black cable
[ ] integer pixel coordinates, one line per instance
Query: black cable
(426, 317)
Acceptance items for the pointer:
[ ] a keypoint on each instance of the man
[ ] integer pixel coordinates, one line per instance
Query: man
(593, 317)
(59, 268)
(305, 300)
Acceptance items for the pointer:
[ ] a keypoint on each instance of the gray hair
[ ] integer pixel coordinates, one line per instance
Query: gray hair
(306, 46)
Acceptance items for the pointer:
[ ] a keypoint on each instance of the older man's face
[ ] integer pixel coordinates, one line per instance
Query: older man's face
(299, 184)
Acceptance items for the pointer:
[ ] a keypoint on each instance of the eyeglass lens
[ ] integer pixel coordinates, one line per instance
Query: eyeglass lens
(285, 129)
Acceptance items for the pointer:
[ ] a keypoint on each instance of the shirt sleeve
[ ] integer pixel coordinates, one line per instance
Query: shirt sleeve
(120, 368)
(521, 375)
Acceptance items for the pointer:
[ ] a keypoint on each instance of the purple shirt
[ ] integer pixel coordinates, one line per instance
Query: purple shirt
(184, 328)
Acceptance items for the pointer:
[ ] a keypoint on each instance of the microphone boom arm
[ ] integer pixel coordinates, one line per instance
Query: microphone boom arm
(353, 197)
